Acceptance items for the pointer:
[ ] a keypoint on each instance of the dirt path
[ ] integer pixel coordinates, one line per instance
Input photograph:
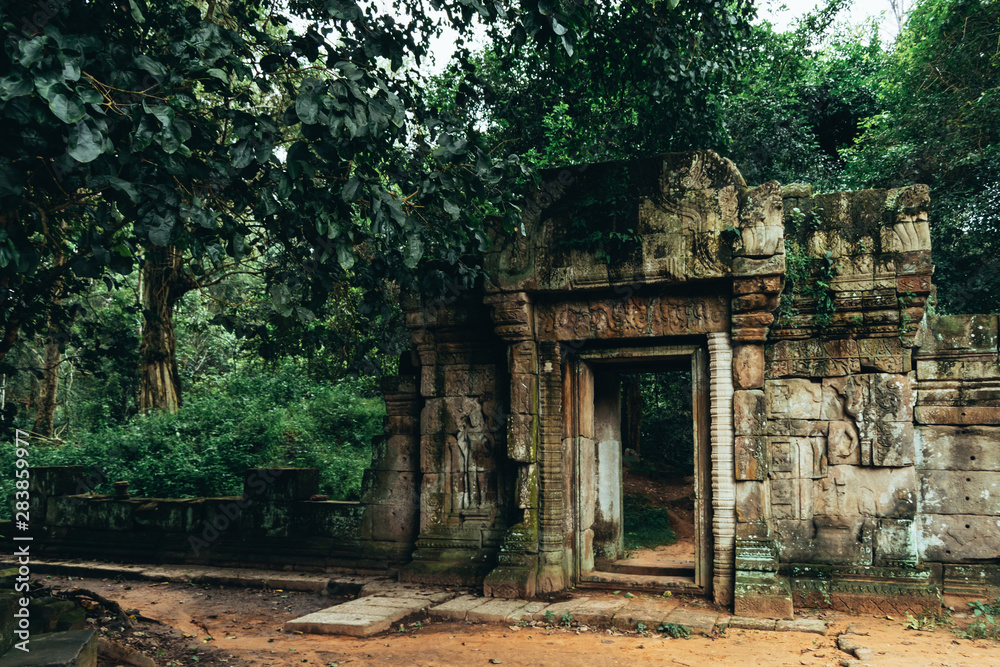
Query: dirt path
(245, 626)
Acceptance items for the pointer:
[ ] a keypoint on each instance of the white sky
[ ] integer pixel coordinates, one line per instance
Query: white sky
(781, 13)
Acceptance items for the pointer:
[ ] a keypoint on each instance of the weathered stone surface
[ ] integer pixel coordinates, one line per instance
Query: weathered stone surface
(702, 621)
(458, 608)
(886, 355)
(751, 457)
(895, 543)
(632, 316)
(813, 358)
(748, 366)
(956, 448)
(649, 612)
(757, 284)
(960, 492)
(751, 502)
(957, 415)
(893, 444)
(749, 412)
(794, 398)
(76, 648)
(745, 623)
(959, 335)
(879, 492)
(495, 611)
(597, 612)
(810, 625)
(762, 595)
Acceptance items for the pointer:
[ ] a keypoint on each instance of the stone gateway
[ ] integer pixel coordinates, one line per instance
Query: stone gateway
(846, 443)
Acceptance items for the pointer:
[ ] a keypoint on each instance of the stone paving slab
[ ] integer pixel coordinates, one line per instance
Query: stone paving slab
(526, 612)
(495, 611)
(457, 608)
(74, 648)
(353, 625)
(744, 623)
(594, 612)
(702, 621)
(357, 618)
(812, 625)
(649, 612)
(558, 609)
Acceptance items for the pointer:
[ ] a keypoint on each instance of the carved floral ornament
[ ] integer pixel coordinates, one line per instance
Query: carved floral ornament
(633, 317)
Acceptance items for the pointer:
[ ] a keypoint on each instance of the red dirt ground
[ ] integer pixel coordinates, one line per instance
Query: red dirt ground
(245, 626)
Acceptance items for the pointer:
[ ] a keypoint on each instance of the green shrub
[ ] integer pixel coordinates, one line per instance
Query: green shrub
(250, 419)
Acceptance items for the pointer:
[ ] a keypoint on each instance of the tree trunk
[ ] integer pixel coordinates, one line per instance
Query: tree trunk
(45, 406)
(163, 284)
(631, 413)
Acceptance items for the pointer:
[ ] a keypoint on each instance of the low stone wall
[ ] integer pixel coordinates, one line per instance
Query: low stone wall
(273, 524)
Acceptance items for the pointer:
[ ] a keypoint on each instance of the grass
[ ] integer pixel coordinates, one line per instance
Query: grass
(646, 525)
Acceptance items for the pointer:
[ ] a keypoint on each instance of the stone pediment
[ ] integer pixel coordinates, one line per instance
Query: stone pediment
(669, 219)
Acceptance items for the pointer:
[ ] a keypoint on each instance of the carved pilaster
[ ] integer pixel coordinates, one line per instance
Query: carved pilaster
(516, 573)
(723, 469)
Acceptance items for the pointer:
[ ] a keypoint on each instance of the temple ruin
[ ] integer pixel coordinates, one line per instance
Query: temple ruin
(845, 440)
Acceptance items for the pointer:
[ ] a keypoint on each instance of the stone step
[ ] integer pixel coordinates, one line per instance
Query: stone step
(76, 648)
(639, 582)
(654, 567)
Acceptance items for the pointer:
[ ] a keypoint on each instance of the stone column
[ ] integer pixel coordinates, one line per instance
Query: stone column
(723, 487)
(390, 490)
(517, 568)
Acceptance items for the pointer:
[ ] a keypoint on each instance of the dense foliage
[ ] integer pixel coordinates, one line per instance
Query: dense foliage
(248, 419)
(941, 126)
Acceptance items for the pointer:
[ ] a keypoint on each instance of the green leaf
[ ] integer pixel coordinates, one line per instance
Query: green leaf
(70, 67)
(147, 64)
(136, 12)
(67, 110)
(86, 141)
(350, 191)
(161, 235)
(31, 51)
(14, 86)
(673, 4)
(307, 103)
(414, 251)
(162, 112)
(88, 95)
(452, 208)
(281, 299)
(10, 179)
(345, 257)
(50, 84)
(124, 186)
(219, 74)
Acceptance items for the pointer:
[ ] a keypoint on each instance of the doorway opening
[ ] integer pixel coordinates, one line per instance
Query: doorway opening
(644, 469)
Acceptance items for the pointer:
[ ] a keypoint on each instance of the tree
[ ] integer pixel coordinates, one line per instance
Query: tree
(801, 97)
(642, 78)
(156, 133)
(941, 98)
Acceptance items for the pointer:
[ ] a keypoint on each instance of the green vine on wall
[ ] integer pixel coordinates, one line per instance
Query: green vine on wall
(805, 274)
